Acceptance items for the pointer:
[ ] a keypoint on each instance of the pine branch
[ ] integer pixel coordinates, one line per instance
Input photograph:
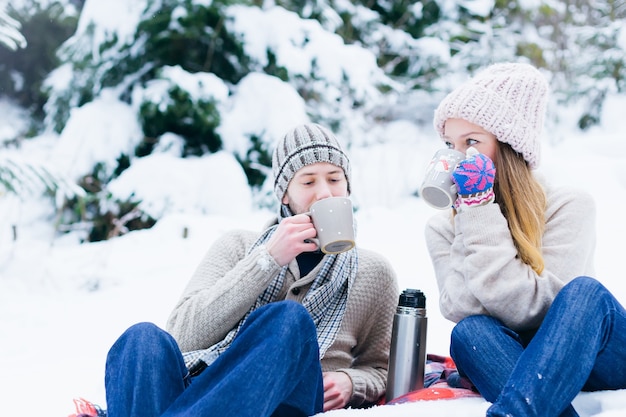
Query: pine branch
(10, 34)
(22, 178)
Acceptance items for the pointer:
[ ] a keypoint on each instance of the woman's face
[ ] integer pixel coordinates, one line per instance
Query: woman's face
(315, 182)
(460, 134)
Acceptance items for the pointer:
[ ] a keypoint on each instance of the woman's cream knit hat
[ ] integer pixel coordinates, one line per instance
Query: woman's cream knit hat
(508, 100)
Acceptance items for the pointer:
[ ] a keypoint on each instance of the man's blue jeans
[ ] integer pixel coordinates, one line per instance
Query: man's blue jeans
(581, 345)
(272, 368)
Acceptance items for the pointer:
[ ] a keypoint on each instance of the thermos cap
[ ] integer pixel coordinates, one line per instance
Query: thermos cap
(412, 298)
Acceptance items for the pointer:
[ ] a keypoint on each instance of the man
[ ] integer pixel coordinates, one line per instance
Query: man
(269, 325)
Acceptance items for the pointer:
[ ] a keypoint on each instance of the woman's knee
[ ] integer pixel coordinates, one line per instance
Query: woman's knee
(581, 288)
(583, 297)
(472, 327)
(583, 284)
(480, 333)
(466, 332)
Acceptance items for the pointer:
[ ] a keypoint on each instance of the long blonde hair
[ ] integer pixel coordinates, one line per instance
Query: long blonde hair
(522, 201)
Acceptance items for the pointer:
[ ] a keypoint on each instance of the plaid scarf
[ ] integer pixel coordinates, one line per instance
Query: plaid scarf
(325, 301)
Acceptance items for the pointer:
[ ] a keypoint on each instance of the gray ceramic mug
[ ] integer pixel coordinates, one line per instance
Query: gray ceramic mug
(438, 189)
(333, 220)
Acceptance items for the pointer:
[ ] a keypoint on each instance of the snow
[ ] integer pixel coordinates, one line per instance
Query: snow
(268, 105)
(182, 187)
(63, 303)
(117, 19)
(9, 111)
(98, 132)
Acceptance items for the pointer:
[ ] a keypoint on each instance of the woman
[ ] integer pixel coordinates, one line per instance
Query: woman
(512, 263)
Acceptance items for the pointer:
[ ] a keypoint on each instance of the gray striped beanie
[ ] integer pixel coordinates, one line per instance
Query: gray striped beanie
(305, 145)
(508, 100)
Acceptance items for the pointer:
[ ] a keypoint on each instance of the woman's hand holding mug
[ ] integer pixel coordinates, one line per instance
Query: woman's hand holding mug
(474, 178)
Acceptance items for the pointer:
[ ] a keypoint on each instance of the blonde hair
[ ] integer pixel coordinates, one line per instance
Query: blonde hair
(522, 201)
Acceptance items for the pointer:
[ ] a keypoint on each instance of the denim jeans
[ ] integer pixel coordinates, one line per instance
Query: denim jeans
(581, 345)
(272, 368)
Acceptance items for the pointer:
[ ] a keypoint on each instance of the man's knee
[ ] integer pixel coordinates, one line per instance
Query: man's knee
(289, 313)
(143, 336)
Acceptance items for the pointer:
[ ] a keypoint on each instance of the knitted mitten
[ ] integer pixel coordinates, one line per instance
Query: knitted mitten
(474, 177)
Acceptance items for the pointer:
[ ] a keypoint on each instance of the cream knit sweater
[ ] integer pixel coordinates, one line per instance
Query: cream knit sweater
(227, 282)
(478, 271)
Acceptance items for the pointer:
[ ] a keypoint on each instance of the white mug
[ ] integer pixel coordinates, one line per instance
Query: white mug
(438, 189)
(333, 220)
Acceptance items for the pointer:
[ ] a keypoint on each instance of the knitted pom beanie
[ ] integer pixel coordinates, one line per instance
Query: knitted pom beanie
(305, 145)
(508, 100)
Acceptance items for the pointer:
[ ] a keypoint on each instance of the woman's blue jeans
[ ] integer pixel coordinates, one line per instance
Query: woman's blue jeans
(272, 368)
(581, 345)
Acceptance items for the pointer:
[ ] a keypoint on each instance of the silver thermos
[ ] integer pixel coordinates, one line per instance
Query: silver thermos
(407, 357)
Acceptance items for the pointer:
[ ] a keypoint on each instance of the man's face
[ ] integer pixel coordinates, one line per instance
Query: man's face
(315, 182)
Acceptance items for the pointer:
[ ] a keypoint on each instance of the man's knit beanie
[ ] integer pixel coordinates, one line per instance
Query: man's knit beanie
(508, 100)
(305, 145)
